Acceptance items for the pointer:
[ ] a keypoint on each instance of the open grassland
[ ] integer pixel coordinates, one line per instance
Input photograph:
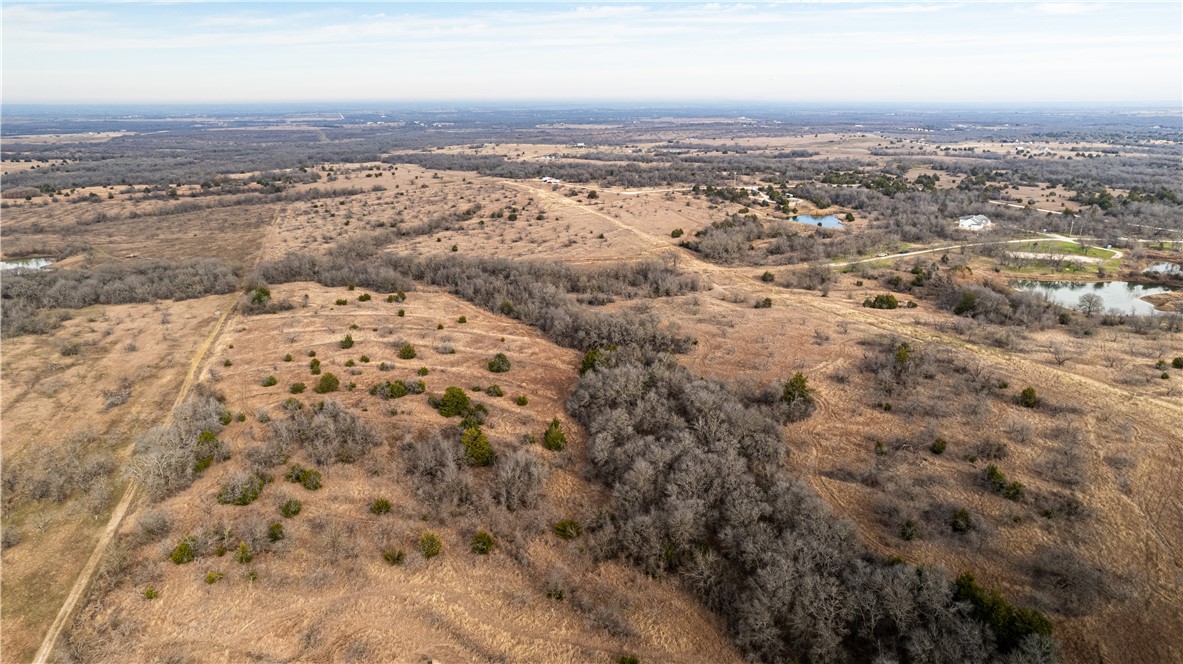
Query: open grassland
(71, 404)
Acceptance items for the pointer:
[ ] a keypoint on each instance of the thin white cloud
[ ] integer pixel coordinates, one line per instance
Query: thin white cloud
(1067, 8)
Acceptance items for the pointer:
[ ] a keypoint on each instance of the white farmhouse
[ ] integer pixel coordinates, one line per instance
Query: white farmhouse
(977, 222)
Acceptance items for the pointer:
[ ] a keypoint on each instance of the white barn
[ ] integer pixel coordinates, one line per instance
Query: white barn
(977, 222)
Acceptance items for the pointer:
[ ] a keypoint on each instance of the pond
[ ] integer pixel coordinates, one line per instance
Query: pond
(1120, 295)
(828, 221)
(26, 263)
(1164, 268)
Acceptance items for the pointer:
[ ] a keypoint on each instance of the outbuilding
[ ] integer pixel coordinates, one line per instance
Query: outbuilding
(978, 222)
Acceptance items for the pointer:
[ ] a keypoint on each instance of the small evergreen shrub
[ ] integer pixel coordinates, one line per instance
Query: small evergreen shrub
(407, 352)
(767, 277)
(275, 532)
(499, 363)
(995, 477)
(961, 522)
(797, 389)
(1028, 398)
(1013, 491)
(422, 371)
(314, 367)
(521, 400)
(938, 446)
(477, 451)
(227, 363)
(883, 301)
(290, 508)
(213, 577)
(297, 388)
(568, 529)
(226, 418)
(347, 342)
(393, 556)
(311, 353)
(244, 555)
(150, 593)
(454, 403)
(287, 358)
(309, 478)
(269, 381)
(677, 233)
(401, 313)
(494, 390)
(554, 439)
(328, 383)
(430, 545)
(1177, 362)
(342, 302)
(364, 297)
(482, 543)
(380, 506)
(908, 531)
(462, 320)
(183, 552)
(364, 359)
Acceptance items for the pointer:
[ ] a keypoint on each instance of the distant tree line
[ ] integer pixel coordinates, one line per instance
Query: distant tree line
(26, 294)
(544, 295)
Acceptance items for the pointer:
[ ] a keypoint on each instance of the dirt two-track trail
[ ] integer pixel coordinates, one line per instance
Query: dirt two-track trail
(78, 591)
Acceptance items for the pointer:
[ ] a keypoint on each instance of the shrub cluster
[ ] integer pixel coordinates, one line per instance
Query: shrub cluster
(166, 459)
(882, 301)
(499, 363)
(397, 389)
(328, 433)
(241, 489)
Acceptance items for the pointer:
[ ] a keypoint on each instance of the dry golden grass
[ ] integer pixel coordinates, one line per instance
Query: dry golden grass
(325, 592)
(47, 398)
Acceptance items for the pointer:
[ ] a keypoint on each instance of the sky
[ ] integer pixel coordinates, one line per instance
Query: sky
(998, 53)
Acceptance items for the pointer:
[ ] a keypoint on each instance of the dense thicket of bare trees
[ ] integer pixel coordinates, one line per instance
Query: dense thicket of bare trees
(699, 490)
(24, 293)
(543, 295)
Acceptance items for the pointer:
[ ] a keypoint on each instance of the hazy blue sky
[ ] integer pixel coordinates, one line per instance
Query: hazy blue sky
(1120, 52)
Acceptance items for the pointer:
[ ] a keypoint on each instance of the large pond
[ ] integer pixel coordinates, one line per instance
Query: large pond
(26, 263)
(1164, 268)
(1120, 295)
(828, 221)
